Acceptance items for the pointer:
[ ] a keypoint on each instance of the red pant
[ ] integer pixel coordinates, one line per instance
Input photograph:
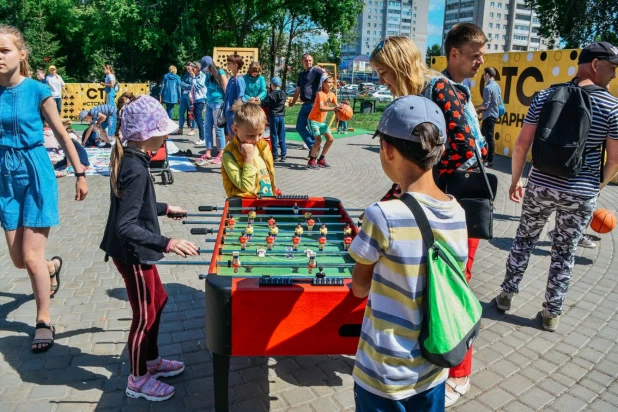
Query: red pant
(147, 298)
(465, 367)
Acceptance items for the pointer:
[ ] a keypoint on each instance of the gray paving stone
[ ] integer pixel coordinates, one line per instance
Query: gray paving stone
(297, 396)
(536, 398)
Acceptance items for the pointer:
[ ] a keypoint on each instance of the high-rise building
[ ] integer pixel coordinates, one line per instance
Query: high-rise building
(510, 25)
(381, 18)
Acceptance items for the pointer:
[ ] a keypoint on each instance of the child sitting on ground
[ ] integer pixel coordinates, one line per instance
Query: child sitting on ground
(248, 169)
(317, 122)
(390, 373)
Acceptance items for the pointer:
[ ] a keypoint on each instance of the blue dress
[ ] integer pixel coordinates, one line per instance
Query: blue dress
(28, 188)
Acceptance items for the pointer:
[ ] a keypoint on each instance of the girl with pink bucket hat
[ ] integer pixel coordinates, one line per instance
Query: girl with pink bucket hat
(132, 236)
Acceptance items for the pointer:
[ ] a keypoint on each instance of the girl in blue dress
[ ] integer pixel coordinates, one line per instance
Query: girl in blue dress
(28, 188)
(110, 84)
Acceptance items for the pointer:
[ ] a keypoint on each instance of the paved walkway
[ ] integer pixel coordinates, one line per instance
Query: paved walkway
(517, 366)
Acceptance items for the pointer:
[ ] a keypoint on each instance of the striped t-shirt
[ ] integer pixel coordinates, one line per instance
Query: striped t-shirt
(105, 109)
(388, 359)
(604, 124)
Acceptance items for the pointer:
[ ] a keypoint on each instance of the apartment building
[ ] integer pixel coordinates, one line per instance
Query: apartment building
(509, 24)
(381, 18)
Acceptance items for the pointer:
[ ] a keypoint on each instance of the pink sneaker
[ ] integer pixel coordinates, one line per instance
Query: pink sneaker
(163, 368)
(206, 155)
(216, 160)
(149, 388)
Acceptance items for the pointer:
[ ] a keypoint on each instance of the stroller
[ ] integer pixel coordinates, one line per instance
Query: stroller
(160, 166)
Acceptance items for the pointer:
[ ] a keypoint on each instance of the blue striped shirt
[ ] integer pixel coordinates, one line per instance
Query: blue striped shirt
(604, 124)
(388, 359)
(105, 109)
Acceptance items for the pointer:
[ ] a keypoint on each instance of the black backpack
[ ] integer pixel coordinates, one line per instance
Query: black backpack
(559, 147)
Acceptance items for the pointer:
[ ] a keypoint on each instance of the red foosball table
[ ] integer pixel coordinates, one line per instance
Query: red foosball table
(279, 283)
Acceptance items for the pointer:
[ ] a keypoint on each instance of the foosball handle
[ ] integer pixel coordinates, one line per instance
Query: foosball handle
(201, 231)
(207, 208)
(202, 277)
(172, 215)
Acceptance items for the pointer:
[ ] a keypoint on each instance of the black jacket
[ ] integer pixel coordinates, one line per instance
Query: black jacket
(275, 101)
(132, 233)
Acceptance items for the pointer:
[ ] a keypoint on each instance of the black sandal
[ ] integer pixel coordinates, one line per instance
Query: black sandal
(56, 274)
(48, 342)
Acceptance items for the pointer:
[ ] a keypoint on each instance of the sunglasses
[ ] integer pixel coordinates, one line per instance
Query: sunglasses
(380, 45)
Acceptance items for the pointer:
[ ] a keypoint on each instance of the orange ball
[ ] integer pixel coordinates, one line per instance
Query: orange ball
(603, 221)
(344, 113)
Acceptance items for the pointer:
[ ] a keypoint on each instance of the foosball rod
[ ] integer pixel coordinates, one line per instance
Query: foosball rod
(265, 216)
(269, 253)
(286, 265)
(288, 243)
(218, 222)
(286, 208)
(284, 233)
(177, 262)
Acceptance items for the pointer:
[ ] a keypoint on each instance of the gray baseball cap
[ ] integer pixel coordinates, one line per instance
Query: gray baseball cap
(402, 116)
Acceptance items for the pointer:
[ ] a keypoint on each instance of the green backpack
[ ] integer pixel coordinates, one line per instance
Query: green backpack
(452, 313)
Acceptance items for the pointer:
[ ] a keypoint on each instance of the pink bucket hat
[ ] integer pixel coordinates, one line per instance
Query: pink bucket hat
(145, 118)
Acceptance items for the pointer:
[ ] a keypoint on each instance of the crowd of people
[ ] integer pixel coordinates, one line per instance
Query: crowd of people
(429, 131)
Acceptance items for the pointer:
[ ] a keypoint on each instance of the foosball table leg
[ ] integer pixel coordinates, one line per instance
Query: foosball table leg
(221, 370)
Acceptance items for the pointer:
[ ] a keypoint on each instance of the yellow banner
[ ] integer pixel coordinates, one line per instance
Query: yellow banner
(521, 75)
(82, 96)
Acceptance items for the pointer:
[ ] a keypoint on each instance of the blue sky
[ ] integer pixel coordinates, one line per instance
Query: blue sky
(436, 20)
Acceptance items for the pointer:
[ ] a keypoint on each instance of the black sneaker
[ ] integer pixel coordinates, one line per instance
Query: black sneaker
(107, 145)
(282, 159)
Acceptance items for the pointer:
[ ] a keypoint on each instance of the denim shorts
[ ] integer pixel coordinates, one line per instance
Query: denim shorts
(28, 189)
(431, 400)
(318, 128)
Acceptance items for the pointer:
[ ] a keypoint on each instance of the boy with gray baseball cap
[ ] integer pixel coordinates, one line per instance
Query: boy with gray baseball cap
(390, 373)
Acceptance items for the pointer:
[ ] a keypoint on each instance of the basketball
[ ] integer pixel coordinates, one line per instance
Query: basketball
(603, 221)
(344, 113)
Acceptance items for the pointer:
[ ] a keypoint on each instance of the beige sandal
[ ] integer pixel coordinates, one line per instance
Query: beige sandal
(458, 391)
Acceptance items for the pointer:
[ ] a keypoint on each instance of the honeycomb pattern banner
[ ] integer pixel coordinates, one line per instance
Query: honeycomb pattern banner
(82, 96)
(249, 55)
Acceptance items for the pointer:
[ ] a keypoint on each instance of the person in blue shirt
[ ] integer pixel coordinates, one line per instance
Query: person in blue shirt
(170, 90)
(110, 84)
(255, 85)
(235, 90)
(28, 188)
(98, 117)
(185, 102)
(216, 82)
(198, 98)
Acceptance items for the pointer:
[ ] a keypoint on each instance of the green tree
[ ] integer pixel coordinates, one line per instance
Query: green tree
(577, 22)
(433, 51)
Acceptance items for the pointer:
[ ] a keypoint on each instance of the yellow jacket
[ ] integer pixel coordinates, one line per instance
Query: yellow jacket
(240, 179)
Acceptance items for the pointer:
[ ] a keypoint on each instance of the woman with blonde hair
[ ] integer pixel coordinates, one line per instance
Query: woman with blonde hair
(170, 90)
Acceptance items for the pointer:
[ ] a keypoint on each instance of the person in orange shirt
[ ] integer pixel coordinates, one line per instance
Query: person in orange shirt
(325, 101)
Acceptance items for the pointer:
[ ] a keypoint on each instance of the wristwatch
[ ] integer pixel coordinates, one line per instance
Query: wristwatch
(82, 174)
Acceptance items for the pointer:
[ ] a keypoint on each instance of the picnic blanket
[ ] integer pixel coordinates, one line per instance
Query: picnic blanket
(99, 161)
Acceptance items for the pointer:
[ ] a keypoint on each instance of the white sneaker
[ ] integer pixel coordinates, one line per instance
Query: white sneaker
(305, 147)
(458, 391)
(199, 142)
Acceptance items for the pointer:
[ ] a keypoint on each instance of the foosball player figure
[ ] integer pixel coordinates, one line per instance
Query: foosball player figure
(360, 220)
(273, 231)
(243, 241)
(251, 216)
(321, 243)
(271, 222)
(347, 241)
(269, 242)
(249, 231)
(298, 231)
(235, 261)
(231, 222)
(323, 230)
(307, 215)
(311, 264)
(296, 208)
(310, 224)
(320, 274)
(347, 230)
(295, 242)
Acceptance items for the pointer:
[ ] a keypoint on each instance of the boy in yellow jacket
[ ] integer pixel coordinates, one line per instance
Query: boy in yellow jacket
(247, 161)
